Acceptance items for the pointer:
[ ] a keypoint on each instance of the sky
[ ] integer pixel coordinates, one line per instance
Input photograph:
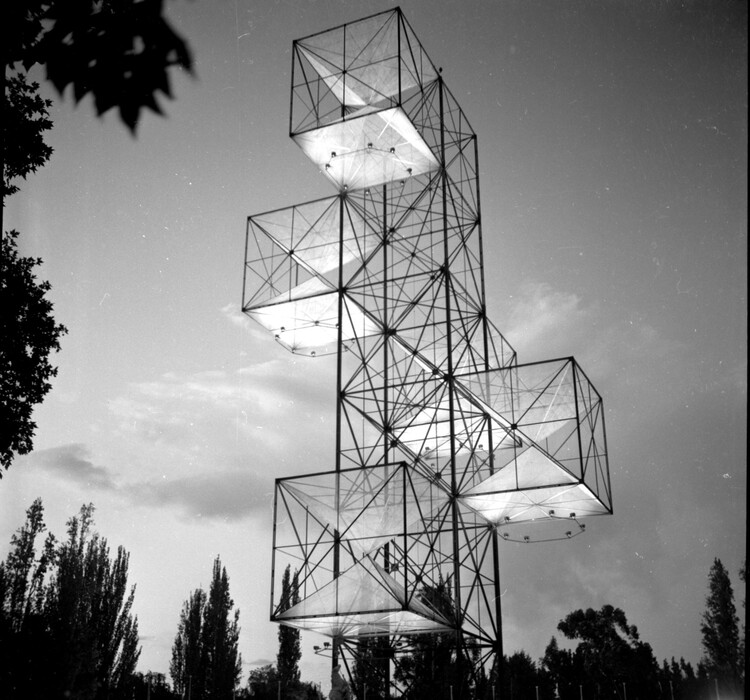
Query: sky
(613, 172)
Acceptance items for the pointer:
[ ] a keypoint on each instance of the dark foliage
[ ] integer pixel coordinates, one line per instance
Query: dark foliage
(206, 662)
(436, 663)
(24, 637)
(522, 679)
(720, 630)
(609, 652)
(186, 666)
(370, 671)
(66, 628)
(29, 334)
(263, 684)
(25, 119)
(117, 51)
(287, 659)
(153, 686)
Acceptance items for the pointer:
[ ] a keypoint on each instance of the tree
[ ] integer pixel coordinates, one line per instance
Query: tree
(564, 669)
(24, 642)
(521, 677)
(25, 119)
(66, 627)
(435, 662)
(117, 51)
(719, 627)
(678, 681)
(220, 638)
(89, 613)
(287, 659)
(610, 651)
(29, 334)
(22, 575)
(371, 665)
(263, 683)
(206, 663)
(743, 638)
(186, 666)
(153, 686)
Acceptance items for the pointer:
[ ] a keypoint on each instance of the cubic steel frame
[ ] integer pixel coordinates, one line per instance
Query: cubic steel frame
(445, 444)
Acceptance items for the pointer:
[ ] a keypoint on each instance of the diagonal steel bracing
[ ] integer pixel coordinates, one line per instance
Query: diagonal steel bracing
(445, 445)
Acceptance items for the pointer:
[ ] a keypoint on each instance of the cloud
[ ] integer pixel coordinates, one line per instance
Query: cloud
(225, 495)
(541, 317)
(209, 444)
(253, 395)
(72, 464)
(229, 496)
(232, 313)
(628, 359)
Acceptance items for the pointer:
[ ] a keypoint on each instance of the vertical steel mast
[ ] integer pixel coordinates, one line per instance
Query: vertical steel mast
(445, 444)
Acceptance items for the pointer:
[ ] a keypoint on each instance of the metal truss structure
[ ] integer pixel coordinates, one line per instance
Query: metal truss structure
(445, 444)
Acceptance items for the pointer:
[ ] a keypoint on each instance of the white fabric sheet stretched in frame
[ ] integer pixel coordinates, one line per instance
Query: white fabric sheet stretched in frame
(310, 324)
(368, 150)
(363, 600)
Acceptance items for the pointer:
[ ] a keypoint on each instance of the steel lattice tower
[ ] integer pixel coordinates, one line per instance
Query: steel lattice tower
(445, 444)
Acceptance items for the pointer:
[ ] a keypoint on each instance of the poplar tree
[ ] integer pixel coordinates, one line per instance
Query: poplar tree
(186, 666)
(89, 613)
(66, 626)
(287, 659)
(24, 642)
(206, 663)
(220, 638)
(720, 628)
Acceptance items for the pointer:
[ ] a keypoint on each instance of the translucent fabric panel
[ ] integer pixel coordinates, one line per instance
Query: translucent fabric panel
(370, 150)
(270, 271)
(546, 399)
(310, 234)
(369, 506)
(309, 325)
(368, 47)
(288, 226)
(400, 622)
(369, 85)
(430, 430)
(363, 526)
(360, 596)
(382, 503)
(529, 469)
(369, 61)
(272, 279)
(532, 486)
(360, 589)
(536, 399)
(574, 500)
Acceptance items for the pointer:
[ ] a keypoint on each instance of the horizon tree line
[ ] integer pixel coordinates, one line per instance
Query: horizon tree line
(67, 629)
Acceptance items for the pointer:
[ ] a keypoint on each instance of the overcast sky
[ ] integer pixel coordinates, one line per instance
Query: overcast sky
(613, 163)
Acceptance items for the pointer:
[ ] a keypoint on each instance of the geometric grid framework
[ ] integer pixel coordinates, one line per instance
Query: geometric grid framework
(445, 444)
(350, 518)
(553, 459)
